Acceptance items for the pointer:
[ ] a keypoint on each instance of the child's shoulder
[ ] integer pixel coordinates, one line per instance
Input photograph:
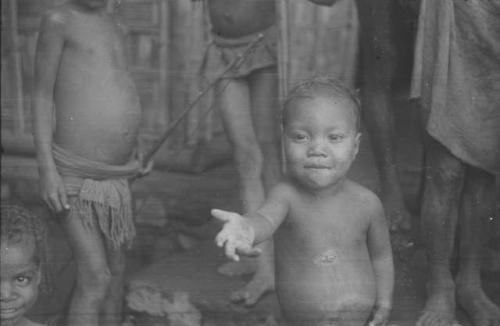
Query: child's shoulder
(362, 195)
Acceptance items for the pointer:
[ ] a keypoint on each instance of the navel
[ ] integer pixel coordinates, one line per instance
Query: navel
(328, 258)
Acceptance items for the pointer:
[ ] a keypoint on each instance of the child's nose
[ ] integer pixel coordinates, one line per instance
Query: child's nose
(317, 148)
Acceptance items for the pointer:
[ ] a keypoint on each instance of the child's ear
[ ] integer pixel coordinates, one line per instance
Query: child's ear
(38, 276)
(357, 141)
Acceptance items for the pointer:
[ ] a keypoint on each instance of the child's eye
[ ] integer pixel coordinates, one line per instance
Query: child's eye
(335, 137)
(299, 136)
(23, 280)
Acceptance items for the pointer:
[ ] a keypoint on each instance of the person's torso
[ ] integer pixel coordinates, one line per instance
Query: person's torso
(97, 105)
(236, 18)
(322, 263)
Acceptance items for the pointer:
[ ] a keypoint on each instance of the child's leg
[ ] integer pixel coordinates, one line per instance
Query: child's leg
(478, 204)
(443, 184)
(234, 104)
(93, 276)
(265, 116)
(378, 56)
(111, 313)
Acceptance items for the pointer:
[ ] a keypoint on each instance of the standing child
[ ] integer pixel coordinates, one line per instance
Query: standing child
(247, 99)
(333, 255)
(22, 252)
(86, 157)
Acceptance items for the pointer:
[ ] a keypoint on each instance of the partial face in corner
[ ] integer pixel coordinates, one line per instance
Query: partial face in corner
(20, 277)
(321, 141)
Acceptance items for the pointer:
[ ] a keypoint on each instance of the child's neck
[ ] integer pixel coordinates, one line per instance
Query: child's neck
(327, 192)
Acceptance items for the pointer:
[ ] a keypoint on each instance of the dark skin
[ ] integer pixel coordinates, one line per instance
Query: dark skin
(333, 255)
(249, 109)
(455, 193)
(81, 72)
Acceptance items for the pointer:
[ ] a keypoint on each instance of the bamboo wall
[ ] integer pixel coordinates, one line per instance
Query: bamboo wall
(166, 42)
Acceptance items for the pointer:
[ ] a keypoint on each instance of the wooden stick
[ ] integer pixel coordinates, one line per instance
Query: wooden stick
(283, 47)
(283, 59)
(236, 62)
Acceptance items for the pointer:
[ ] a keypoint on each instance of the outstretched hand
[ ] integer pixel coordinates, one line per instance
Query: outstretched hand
(237, 235)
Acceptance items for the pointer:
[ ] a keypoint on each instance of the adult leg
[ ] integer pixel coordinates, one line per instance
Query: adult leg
(443, 184)
(378, 60)
(234, 102)
(111, 314)
(93, 276)
(478, 204)
(265, 116)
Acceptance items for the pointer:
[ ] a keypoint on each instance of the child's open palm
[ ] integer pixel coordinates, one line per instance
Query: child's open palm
(237, 235)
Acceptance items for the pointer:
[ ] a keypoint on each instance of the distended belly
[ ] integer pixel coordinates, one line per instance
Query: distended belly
(315, 288)
(98, 118)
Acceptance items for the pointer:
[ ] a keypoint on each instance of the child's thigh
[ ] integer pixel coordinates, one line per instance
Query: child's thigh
(234, 103)
(86, 240)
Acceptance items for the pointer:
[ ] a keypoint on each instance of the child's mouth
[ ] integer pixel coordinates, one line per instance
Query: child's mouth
(7, 313)
(317, 167)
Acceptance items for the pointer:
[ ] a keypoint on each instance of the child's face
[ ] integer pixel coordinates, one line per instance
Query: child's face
(321, 141)
(20, 277)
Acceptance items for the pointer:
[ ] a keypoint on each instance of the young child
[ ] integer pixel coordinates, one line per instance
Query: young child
(247, 97)
(333, 255)
(22, 252)
(86, 157)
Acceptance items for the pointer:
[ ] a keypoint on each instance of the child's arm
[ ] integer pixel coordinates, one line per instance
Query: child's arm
(47, 58)
(381, 256)
(240, 233)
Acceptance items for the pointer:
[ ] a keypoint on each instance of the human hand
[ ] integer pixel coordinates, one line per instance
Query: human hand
(380, 316)
(52, 190)
(145, 167)
(237, 236)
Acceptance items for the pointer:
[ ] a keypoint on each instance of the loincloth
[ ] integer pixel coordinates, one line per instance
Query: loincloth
(221, 52)
(457, 77)
(102, 193)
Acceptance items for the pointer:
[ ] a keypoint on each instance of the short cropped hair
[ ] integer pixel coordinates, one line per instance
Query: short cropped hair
(18, 224)
(326, 87)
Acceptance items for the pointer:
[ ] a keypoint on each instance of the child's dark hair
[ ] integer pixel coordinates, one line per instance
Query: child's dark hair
(19, 224)
(327, 87)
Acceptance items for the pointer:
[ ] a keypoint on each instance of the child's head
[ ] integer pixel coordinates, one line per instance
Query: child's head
(321, 122)
(22, 246)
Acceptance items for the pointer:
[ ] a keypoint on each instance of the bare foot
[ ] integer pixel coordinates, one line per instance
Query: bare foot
(245, 266)
(439, 309)
(396, 212)
(260, 284)
(480, 309)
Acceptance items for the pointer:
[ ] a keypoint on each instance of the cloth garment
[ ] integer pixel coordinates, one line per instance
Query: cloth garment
(102, 191)
(457, 77)
(221, 52)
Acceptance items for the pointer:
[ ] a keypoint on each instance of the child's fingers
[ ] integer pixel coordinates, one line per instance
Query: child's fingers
(222, 215)
(231, 251)
(55, 202)
(221, 238)
(249, 251)
(63, 199)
